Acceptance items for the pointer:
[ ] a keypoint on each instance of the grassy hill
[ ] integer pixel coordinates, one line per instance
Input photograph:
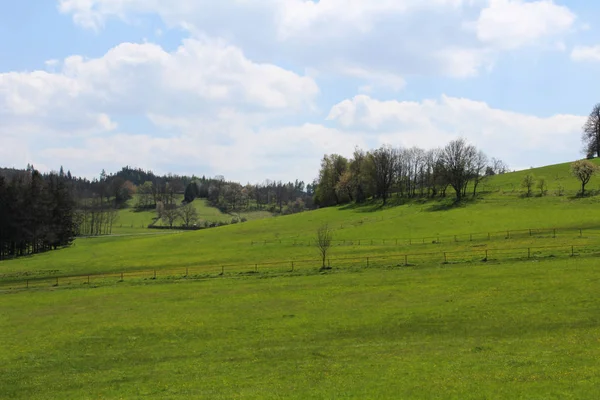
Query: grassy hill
(133, 221)
(520, 324)
(286, 238)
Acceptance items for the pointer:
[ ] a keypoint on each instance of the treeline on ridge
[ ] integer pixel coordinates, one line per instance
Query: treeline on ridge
(405, 173)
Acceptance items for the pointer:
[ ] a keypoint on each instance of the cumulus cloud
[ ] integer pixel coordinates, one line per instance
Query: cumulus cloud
(510, 24)
(517, 138)
(586, 53)
(394, 38)
(210, 107)
(203, 81)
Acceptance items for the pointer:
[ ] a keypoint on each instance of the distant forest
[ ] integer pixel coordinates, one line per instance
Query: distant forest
(40, 212)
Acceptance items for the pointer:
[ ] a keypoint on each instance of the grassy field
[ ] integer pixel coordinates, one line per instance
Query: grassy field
(523, 324)
(523, 330)
(132, 221)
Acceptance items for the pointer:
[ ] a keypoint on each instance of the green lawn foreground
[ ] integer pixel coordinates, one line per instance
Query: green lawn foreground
(524, 330)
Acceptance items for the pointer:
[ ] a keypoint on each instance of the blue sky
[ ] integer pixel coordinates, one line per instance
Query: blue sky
(261, 90)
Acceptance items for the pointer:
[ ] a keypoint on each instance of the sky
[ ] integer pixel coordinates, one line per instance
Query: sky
(262, 89)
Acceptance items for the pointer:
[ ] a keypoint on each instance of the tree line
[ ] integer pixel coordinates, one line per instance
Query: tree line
(37, 212)
(403, 172)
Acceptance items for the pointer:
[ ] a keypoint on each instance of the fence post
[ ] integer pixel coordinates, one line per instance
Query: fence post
(367, 262)
(222, 270)
(121, 276)
(508, 234)
(27, 283)
(154, 274)
(572, 251)
(471, 237)
(405, 260)
(359, 242)
(529, 253)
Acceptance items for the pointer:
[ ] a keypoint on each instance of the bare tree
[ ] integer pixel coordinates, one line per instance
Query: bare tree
(480, 162)
(189, 215)
(542, 186)
(528, 182)
(498, 167)
(323, 242)
(457, 159)
(584, 170)
(591, 133)
(169, 213)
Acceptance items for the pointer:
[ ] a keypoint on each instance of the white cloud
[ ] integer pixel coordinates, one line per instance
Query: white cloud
(200, 84)
(510, 24)
(135, 79)
(428, 123)
(586, 53)
(389, 37)
(249, 154)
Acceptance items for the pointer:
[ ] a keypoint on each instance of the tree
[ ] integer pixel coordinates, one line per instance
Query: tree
(169, 213)
(384, 161)
(583, 170)
(480, 163)
(145, 195)
(457, 159)
(191, 192)
(189, 215)
(498, 167)
(528, 182)
(332, 168)
(323, 242)
(591, 133)
(542, 186)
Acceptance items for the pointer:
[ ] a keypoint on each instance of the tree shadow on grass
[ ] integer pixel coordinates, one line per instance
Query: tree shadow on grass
(366, 207)
(449, 204)
(428, 204)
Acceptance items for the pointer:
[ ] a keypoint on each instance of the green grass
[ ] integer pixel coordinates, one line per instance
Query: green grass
(524, 330)
(131, 221)
(466, 329)
(233, 244)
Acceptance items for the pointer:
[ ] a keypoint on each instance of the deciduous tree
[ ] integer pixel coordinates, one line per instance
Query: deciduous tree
(584, 170)
(591, 133)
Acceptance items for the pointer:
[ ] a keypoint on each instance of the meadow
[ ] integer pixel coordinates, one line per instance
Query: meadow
(523, 330)
(246, 322)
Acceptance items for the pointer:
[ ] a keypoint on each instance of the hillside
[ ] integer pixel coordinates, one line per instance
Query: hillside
(131, 221)
(286, 237)
(494, 298)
